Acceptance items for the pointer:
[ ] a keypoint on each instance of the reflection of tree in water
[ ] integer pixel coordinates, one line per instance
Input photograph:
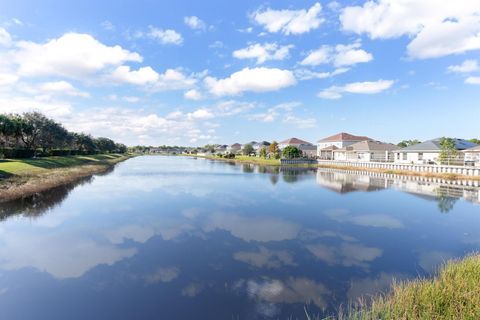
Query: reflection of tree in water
(248, 168)
(39, 203)
(446, 200)
(292, 175)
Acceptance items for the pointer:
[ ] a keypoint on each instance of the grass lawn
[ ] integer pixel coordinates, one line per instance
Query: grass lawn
(30, 166)
(453, 294)
(273, 162)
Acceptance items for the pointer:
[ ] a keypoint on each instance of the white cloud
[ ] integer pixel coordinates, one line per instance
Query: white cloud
(73, 55)
(267, 51)
(305, 74)
(367, 87)
(193, 94)
(467, 66)
(7, 79)
(107, 25)
(5, 38)
(340, 55)
(289, 21)
(62, 88)
(256, 80)
(167, 36)
(141, 76)
(301, 123)
(473, 80)
(131, 99)
(437, 29)
(174, 79)
(195, 23)
(272, 113)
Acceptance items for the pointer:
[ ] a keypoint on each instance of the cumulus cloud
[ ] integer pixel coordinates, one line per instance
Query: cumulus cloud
(367, 87)
(73, 55)
(255, 80)
(467, 66)
(195, 23)
(167, 36)
(193, 94)
(301, 123)
(289, 21)
(305, 74)
(341, 55)
(5, 38)
(267, 51)
(141, 76)
(436, 29)
(62, 88)
(472, 80)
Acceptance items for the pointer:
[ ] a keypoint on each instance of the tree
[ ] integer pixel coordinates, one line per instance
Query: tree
(52, 135)
(406, 143)
(30, 126)
(247, 149)
(83, 142)
(291, 152)
(448, 150)
(476, 141)
(120, 148)
(104, 144)
(274, 150)
(9, 130)
(263, 152)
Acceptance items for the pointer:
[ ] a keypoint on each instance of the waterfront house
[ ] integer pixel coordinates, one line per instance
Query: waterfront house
(472, 156)
(234, 148)
(326, 146)
(308, 149)
(428, 152)
(221, 148)
(365, 151)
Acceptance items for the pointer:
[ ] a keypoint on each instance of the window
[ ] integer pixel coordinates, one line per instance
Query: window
(404, 156)
(398, 156)
(420, 156)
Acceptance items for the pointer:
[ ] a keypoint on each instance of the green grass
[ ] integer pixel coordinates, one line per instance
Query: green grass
(453, 294)
(32, 166)
(272, 162)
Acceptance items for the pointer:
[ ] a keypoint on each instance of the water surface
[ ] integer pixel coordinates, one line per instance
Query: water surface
(183, 238)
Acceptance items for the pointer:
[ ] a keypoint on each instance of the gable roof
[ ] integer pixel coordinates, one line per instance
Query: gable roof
(434, 146)
(369, 145)
(474, 149)
(294, 141)
(343, 136)
(236, 145)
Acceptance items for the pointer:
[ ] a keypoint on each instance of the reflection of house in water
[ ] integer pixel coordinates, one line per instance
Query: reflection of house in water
(344, 182)
(445, 192)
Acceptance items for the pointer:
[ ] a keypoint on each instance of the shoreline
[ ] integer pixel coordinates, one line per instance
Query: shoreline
(25, 183)
(269, 162)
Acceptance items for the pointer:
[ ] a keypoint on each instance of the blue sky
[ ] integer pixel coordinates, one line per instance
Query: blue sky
(198, 72)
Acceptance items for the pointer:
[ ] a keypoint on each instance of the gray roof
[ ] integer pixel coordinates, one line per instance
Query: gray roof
(474, 149)
(434, 146)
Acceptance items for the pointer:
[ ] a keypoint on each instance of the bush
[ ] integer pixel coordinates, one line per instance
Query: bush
(17, 153)
(229, 156)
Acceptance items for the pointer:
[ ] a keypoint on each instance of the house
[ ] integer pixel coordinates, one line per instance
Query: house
(259, 145)
(221, 148)
(326, 146)
(428, 152)
(308, 150)
(293, 142)
(472, 156)
(234, 148)
(365, 151)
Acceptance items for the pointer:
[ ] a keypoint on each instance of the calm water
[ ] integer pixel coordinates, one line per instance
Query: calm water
(181, 238)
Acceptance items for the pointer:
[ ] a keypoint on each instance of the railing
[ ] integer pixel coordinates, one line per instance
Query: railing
(298, 161)
(461, 170)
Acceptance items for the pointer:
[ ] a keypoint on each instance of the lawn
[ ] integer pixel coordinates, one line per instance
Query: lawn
(29, 166)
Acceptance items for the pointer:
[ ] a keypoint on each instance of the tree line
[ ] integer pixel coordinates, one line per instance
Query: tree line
(32, 134)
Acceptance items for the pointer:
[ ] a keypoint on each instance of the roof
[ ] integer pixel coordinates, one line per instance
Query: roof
(294, 141)
(434, 146)
(235, 145)
(369, 145)
(343, 136)
(474, 149)
(307, 147)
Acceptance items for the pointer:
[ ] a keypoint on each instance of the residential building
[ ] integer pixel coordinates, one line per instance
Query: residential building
(234, 148)
(472, 156)
(365, 151)
(308, 150)
(326, 146)
(428, 152)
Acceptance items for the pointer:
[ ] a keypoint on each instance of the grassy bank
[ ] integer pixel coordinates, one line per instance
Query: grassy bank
(245, 159)
(453, 294)
(23, 177)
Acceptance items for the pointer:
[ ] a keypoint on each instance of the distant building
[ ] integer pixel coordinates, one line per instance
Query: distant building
(365, 151)
(308, 150)
(326, 146)
(428, 152)
(472, 156)
(234, 148)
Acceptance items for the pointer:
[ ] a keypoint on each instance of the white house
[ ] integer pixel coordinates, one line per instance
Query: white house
(472, 156)
(308, 149)
(428, 152)
(365, 151)
(326, 146)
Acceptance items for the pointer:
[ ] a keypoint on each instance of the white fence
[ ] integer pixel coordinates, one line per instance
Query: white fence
(462, 170)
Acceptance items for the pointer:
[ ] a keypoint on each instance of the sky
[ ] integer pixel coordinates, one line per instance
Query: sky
(214, 71)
